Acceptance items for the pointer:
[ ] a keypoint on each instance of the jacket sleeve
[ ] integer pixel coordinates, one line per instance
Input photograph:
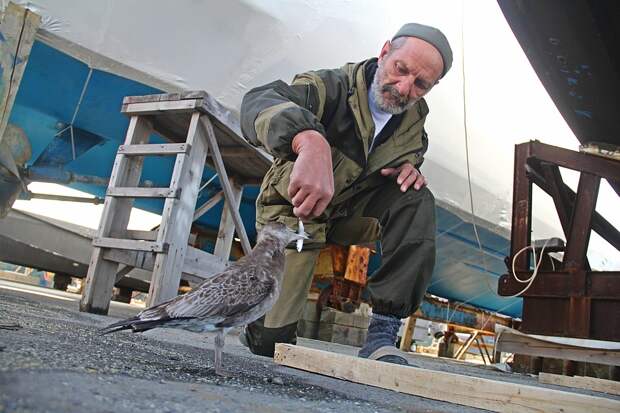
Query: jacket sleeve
(271, 115)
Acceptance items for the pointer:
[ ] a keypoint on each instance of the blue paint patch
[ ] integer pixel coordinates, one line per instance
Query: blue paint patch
(584, 113)
(482, 269)
(59, 152)
(572, 81)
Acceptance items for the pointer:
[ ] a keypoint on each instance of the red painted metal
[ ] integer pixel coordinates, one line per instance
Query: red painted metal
(570, 299)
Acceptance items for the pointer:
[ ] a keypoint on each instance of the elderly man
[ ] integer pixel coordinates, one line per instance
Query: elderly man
(348, 144)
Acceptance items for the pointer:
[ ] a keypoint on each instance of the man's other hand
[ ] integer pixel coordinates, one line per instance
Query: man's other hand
(406, 175)
(311, 186)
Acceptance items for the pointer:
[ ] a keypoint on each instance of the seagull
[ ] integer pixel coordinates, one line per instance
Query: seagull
(240, 294)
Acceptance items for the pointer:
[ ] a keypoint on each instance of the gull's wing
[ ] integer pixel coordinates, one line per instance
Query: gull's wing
(236, 290)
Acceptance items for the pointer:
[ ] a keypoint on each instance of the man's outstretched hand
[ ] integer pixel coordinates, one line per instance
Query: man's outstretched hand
(311, 186)
(406, 175)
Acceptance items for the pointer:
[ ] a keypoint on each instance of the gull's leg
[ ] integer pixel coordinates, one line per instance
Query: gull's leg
(219, 345)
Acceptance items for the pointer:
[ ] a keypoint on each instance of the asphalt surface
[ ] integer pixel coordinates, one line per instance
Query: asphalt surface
(53, 360)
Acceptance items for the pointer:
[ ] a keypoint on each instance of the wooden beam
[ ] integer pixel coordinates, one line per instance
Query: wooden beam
(138, 192)
(197, 266)
(155, 149)
(17, 33)
(113, 223)
(226, 232)
(470, 340)
(130, 244)
(476, 392)
(210, 203)
(405, 341)
(581, 382)
(177, 215)
(511, 341)
(154, 108)
(228, 192)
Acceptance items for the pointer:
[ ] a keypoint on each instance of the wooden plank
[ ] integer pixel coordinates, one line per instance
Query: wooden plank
(154, 149)
(226, 232)
(177, 215)
(143, 235)
(405, 341)
(130, 244)
(138, 192)
(114, 219)
(470, 340)
(213, 201)
(518, 343)
(581, 382)
(154, 108)
(17, 35)
(201, 263)
(198, 265)
(471, 391)
(162, 97)
(228, 192)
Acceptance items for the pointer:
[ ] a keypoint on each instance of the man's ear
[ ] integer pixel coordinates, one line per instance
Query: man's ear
(385, 50)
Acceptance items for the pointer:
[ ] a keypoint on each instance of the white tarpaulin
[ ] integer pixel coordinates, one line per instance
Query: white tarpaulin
(490, 100)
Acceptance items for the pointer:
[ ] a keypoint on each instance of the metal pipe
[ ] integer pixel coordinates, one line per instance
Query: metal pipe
(60, 176)
(33, 195)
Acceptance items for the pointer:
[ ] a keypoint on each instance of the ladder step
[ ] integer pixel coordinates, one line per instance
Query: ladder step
(129, 244)
(131, 192)
(154, 149)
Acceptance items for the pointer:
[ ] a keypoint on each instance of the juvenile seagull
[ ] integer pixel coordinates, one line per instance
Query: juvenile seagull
(242, 293)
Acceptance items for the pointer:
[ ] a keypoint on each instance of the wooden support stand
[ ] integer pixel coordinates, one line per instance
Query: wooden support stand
(570, 299)
(192, 115)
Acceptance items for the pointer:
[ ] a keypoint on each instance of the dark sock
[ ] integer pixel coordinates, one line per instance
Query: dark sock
(382, 331)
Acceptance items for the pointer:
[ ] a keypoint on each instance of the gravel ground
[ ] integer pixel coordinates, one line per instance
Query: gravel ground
(56, 362)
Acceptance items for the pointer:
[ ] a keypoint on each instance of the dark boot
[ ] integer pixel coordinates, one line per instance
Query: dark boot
(382, 334)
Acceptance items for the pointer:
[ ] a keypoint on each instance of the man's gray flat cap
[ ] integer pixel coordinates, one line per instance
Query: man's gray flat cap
(433, 36)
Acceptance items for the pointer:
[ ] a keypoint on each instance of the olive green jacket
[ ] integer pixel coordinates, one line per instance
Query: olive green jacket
(334, 103)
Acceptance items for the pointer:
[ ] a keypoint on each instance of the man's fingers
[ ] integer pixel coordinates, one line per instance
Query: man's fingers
(293, 188)
(406, 171)
(304, 210)
(405, 184)
(299, 197)
(389, 171)
(419, 182)
(319, 208)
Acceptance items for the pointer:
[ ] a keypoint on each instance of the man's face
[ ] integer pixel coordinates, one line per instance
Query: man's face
(405, 74)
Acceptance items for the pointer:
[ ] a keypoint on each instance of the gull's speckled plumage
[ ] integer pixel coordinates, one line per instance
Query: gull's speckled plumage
(242, 293)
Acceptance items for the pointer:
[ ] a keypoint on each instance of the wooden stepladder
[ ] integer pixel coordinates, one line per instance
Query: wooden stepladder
(117, 250)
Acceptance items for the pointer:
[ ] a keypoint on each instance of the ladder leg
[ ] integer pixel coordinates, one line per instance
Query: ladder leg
(126, 172)
(226, 233)
(177, 217)
(221, 171)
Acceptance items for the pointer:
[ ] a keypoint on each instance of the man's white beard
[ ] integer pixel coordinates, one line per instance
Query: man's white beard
(395, 106)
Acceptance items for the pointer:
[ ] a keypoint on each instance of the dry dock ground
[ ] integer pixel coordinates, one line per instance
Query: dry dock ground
(53, 360)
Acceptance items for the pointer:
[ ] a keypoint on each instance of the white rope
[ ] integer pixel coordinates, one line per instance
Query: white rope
(75, 112)
(531, 279)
